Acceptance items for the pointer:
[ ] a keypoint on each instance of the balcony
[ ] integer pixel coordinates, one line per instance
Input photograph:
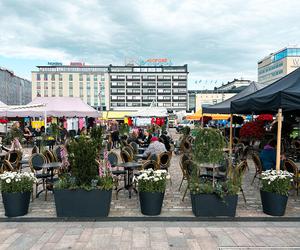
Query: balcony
(133, 79)
(119, 100)
(117, 93)
(180, 86)
(164, 93)
(164, 100)
(149, 79)
(179, 100)
(133, 86)
(133, 100)
(148, 93)
(117, 86)
(133, 93)
(179, 93)
(149, 85)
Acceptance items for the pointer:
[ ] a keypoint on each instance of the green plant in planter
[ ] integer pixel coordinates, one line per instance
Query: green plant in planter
(85, 171)
(97, 135)
(276, 182)
(152, 180)
(14, 182)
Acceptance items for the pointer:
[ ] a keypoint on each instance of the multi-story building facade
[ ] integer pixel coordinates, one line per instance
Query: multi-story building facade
(131, 87)
(192, 99)
(74, 80)
(14, 90)
(278, 64)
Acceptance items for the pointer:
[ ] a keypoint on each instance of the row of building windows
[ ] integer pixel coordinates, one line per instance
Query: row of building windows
(139, 77)
(270, 75)
(46, 77)
(269, 68)
(285, 53)
(73, 69)
(133, 104)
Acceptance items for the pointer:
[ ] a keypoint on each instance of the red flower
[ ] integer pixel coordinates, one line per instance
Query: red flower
(265, 117)
(253, 130)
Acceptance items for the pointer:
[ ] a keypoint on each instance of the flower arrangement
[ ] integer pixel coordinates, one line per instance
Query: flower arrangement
(253, 130)
(278, 182)
(105, 180)
(14, 182)
(265, 117)
(152, 180)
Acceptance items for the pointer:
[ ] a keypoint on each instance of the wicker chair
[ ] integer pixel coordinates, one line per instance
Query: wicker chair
(6, 167)
(164, 160)
(125, 156)
(291, 167)
(187, 169)
(35, 149)
(49, 156)
(150, 164)
(183, 158)
(241, 170)
(134, 146)
(14, 157)
(258, 166)
(57, 153)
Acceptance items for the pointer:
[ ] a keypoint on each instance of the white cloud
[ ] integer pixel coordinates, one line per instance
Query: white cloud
(218, 39)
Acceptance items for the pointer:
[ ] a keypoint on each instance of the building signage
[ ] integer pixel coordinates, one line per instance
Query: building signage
(155, 62)
(79, 64)
(55, 64)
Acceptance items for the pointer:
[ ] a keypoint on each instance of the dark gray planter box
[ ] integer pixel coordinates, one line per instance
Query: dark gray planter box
(151, 203)
(273, 204)
(82, 203)
(210, 205)
(16, 204)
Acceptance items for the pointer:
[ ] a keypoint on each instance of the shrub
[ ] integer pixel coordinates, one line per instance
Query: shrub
(14, 182)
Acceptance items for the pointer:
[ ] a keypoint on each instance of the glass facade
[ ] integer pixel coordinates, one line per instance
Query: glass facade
(286, 52)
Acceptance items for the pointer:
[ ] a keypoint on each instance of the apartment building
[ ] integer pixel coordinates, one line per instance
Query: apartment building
(132, 86)
(75, 80)
(278, 64)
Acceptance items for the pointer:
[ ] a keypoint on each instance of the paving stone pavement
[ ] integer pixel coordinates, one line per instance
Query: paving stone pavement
(173, 204)
(149, 235)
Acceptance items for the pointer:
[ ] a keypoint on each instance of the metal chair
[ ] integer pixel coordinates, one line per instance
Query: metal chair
(36, 162)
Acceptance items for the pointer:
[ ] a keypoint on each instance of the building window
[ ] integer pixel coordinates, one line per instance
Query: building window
(53, 88)
(60, 92)
(38, 92)
(38, 85)
(60, 77)
(70, 77)
(38, 77)
(88, 78)
(45, 85)
(70, 89)
(46, 92)
(80, 77)
(60, 86)
(45, 77)
(52, 77)
(95, 78)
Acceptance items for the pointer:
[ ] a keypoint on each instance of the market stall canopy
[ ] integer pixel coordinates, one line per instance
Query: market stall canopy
(224, 107)
(198, 115)
(53, 106)
(151, 112)
(284, 93)
(116, 115)
(3, 105)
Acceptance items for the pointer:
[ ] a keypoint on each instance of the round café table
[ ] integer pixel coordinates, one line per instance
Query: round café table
(129, 167)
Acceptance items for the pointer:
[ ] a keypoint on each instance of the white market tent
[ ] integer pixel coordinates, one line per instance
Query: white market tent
(51, 106)
(151, 112)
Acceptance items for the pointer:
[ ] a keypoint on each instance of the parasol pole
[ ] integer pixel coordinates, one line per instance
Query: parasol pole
(279, 125)
(230, 135)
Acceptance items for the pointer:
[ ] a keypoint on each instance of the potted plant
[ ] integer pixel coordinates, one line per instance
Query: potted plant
(16, 189)
(274, 191)
(85, 189)
(210, 196)
(152, 185)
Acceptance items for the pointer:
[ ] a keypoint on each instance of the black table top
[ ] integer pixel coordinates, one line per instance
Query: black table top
(130, 165)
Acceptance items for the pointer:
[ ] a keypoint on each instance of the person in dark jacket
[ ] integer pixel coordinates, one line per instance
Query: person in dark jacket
(268, 156)
(166, 140)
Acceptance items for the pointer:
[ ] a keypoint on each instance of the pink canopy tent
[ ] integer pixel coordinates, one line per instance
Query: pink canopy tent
(52, 106)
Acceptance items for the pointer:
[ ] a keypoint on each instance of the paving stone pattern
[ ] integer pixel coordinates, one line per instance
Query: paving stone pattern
(173, 204)
(149, 235)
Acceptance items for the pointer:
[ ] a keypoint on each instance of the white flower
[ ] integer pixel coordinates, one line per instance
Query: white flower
(8, 180)
(168, 177)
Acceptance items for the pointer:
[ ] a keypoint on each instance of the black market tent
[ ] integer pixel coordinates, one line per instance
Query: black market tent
(284, 94)
(224, 107)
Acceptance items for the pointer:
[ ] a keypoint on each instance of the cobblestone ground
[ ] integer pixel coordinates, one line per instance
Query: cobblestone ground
(149, 235)
(173, 204)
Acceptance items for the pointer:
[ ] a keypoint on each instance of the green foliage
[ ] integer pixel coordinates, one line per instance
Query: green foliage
(124, 129)
(82, 154)
(152, 181)
(186, 130)
(14, 182)
(276, 182)
(97, 135)
(13, 133)
(67, 181)
(54, 130)
(208, 146)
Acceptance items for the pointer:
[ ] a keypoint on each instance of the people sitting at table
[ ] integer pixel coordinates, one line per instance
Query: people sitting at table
(165, 140)
(16, 145)
(155, 147)
(147, 139)
(133, 137)
(268, 156)
(27, 134)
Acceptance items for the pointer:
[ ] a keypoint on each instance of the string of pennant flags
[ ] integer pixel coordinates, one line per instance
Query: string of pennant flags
(207, 82)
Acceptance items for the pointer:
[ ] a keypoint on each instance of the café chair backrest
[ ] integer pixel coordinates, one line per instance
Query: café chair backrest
(125, 156)
(36, 162)
(49, 156)
(150, 164)
(35, 150)
(112, 158)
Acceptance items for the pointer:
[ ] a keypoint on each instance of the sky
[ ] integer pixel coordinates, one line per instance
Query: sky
(219, 39)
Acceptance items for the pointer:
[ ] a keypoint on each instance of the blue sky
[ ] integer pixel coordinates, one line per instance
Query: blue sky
(219, 40)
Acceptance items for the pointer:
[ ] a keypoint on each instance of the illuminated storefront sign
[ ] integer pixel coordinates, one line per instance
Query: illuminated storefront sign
(155, 62)
(55, 64)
